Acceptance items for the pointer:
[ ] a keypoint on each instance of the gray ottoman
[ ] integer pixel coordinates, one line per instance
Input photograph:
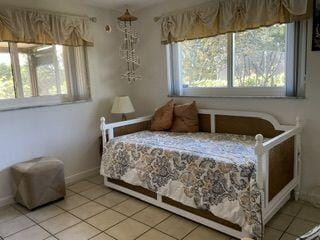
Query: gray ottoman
(38, 181)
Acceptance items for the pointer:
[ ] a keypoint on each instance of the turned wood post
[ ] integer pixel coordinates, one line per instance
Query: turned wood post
(103, 131)
(298, 163)
(259, 152)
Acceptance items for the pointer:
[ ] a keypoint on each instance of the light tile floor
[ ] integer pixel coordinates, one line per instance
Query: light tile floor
(92, 211)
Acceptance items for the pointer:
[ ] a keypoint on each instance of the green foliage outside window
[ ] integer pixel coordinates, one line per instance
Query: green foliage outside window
(48, 76)
(6, 82)
(258, 59)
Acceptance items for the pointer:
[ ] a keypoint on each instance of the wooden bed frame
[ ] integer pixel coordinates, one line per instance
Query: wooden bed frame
(278, 162)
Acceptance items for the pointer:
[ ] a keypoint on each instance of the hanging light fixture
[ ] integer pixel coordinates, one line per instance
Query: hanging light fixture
(127, 50)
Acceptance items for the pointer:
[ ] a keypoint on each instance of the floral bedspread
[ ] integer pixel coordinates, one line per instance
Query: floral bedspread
(215, 172)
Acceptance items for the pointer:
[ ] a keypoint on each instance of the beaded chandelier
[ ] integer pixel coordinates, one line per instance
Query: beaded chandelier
(127, 50)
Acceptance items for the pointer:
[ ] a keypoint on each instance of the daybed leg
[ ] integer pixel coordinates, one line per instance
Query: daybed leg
(298, 163)
(297, 193)
(297, 188)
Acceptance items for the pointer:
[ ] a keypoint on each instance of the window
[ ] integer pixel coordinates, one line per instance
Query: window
(32, 74)
(260, 62)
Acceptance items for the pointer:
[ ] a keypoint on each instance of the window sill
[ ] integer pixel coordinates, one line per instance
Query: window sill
(36, 102)
(240, 97)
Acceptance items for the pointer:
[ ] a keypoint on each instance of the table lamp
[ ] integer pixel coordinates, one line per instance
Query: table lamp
(122, 105)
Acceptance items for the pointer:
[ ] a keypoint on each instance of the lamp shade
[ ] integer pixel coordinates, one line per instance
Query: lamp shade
(122, 105)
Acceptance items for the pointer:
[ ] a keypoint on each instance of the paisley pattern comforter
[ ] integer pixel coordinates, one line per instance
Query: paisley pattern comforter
(215, 172)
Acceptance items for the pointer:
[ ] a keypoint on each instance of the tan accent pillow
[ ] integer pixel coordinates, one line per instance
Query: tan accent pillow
(162, 119)
(185, 118)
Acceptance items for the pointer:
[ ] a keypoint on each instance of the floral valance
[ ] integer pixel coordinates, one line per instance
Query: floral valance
(33, 26)
(222, 16)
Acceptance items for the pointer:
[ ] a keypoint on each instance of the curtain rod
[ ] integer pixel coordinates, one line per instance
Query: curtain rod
(174, 12)
(92, 19)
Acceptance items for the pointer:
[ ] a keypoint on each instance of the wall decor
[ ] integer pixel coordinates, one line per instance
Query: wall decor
(127, 50)
(316, 26)
(108, 28)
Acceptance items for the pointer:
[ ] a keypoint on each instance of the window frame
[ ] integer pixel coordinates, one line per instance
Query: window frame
(296, 44)
(74, 88)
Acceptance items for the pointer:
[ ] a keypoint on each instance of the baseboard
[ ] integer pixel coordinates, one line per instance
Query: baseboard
(308, 197)
(69, 180)
(81, 175)
(6, 201)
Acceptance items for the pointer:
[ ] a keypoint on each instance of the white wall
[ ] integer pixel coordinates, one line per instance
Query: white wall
(151, 92)
(68, 132)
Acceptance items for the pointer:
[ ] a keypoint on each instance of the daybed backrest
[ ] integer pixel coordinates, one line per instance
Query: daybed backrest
(223, 123)
(238, 125)
(120, 131)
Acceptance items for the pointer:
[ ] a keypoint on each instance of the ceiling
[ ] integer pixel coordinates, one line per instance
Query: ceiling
(121, 4)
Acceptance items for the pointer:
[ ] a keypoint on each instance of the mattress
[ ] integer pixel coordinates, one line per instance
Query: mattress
(214, 172)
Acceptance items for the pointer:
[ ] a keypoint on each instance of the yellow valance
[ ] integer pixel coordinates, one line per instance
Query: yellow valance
(222, 16)
(33, 26)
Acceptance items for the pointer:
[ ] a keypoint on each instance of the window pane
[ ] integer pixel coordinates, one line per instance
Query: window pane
(25, 74)
(46, 80)
(6, 78)
(260, 57)
(50, 71)
(32, 70)
(204, 62)
(42, 69)
(62, 71)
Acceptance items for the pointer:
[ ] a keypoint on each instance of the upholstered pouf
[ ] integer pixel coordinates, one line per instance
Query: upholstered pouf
(38, 181)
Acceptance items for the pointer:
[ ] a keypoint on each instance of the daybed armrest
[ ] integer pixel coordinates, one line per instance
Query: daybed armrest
(111, 126)
(268, 145)
(262, 150)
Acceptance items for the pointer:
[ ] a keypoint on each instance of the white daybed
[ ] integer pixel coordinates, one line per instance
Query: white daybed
(277, 165)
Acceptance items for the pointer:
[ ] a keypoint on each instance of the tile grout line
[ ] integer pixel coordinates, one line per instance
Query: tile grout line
(68, 211)
(144, 232)
(78, 205)
(150, 227)
(85, 221)
(81, 220)
(123, 219)
(115, 204)
(147, 224)
(104, 231)
(95, 197)
(36, 224)
(294, 218)
(191, 232)
(285, 231)
(96, 235)
(54, 235)
(65, 211)
(307, 220)
(154, 227)
(107, 208)
(131, 214)
(131, 217)
(126, 217)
